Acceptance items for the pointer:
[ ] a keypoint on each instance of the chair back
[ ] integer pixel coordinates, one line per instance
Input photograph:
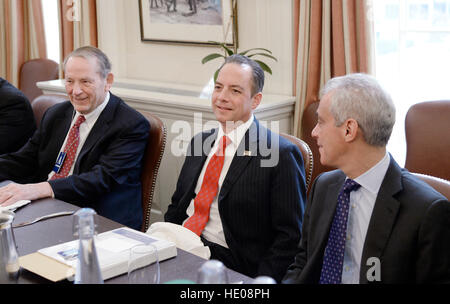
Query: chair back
(309, 121)
(440, 185)
(152, 159)
(33, 71)
(307, 156)
(41, 103)
(427, 130)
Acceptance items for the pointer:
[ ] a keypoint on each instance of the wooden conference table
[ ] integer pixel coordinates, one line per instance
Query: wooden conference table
(57, 230)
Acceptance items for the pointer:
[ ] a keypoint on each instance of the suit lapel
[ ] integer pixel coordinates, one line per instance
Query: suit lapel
(197, 163)
(241, 158)
(63, 125)
(327, 212)
(99, 129)
(383, 218)
(204, 144)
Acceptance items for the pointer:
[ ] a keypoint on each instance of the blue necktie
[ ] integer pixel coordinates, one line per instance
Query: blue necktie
(334, 251)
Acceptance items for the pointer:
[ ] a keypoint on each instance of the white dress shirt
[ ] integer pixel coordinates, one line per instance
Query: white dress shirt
(213, 231)
(85, 129)
(362, 202)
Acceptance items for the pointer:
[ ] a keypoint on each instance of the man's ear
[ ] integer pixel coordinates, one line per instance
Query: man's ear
(351, 129)
(109, 81)
(256, 100)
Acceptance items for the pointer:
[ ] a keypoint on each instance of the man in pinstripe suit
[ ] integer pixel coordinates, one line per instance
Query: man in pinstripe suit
(254, 221)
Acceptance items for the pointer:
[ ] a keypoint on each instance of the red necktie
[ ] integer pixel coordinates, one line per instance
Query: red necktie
(70, 148)
(208, 191)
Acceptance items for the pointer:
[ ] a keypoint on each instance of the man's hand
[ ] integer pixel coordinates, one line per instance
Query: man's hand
(13, 192)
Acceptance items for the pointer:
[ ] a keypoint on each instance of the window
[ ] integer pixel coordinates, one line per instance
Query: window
(412, 56)
(51, 26)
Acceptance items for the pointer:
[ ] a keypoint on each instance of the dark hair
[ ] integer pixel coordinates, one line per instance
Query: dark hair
(89, 51)
(257, 71)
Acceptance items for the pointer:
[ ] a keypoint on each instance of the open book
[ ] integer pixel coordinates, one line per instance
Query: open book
(59, 262)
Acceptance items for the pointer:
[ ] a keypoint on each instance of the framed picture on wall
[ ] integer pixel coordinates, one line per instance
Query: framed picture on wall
(189, 21)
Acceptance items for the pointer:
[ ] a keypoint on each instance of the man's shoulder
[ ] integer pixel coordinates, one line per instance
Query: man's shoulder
(330, 177)
(271, 137)
(59, 108)
(418, 189)
(10, 94)
(407, 187)
(125, 113)
(122, 106)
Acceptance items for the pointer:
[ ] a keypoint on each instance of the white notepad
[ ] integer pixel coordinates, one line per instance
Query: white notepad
(16, 205)
(112, 250)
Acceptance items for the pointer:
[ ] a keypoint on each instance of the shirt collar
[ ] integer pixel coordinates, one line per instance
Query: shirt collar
(236, 135)
(91, 118)
(372, 179)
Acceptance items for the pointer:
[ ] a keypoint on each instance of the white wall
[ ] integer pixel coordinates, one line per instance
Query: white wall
(261, 23)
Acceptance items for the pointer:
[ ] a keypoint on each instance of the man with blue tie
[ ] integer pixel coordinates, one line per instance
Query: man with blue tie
(370, 221)
(242, 187)
(87, 151)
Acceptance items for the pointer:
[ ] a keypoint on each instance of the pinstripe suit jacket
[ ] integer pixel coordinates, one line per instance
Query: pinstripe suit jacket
(261, 201)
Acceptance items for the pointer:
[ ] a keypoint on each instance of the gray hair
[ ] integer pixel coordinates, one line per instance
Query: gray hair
(257, 71)
(92, 52)
(361, 97)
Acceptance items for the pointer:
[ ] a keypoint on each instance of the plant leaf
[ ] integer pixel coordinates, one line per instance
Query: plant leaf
(211, 57)
(215, 75)
(263, 54)
(255, 49)
(264, 66)
(227, 49)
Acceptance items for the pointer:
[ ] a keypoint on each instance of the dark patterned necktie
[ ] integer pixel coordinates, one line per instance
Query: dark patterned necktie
(70, 148)
(208, 190)
(334, 251)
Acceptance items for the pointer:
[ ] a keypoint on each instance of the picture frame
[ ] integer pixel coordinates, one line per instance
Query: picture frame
(193, 22)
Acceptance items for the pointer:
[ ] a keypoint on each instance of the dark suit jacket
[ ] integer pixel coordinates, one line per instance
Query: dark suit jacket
(261, 208)
(409, 230)
(106, 174)
(17, 122)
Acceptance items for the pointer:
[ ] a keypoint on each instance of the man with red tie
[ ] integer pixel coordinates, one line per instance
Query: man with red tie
(87, 151)
(242, 187)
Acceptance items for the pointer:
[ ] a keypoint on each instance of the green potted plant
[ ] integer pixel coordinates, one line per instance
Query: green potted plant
(249, 53)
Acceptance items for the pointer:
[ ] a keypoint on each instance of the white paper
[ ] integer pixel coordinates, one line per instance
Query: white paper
(116, 245)
(16, 205)
(112, 250)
